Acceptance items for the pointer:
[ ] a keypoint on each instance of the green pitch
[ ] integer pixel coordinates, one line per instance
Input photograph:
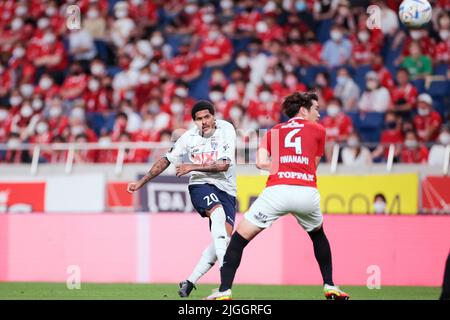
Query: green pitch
(169, 292)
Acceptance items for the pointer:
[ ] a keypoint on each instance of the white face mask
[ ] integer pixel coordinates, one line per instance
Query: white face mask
(423, 112)
(92, 14)
(42, 128)
(411, 144)
(16, 24)
(207, 18)
(415, 34)
(145, 78)
(147, 125)
(15, 101)
(265, 96)
(45, 83)
(54, 112)
(97, 69)
(191, 9)
(37, 104)
(353, 142)
(51, 11)
(213, 35)
(154, 68)
(242, 62)
(371, 84)
(120, 14)
(235, 113)
(444, 34)
(363, 36)
(157, 41)
(226, 4)
(18, 52)
(181, 92)
(26, 90)
(93, 85)
(444, 138)
(261, 27)
(336, 35)
(104, 141)
(3, 114)
(26, 111)
(176, 107)
(43, 23)
(379, 206)
(14, 143)
(341, 80)
(291, 81)
(216, 96)
(269, 78)
(333, 110)
(49, 38)
(20, 11)
(76, 130)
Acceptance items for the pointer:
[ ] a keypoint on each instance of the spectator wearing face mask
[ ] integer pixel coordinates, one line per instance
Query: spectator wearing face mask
(391, 134)
(413, 151)
(442, 52)
(354, 154)
(95, 96)
(265, 109)
(322, 88)
(379, 204)
(437, 151)
(81, 46)
(42, 135)
(215, 48)
(346, 90)
(383, 73)
(427, 122)
(422, 38)
(47, 87)
(145, 13)
(186, 65)
(337, 51)
(75, 84)
(94, 22)
(404, 94)
(375, 98)
(123, 26)
(245, 21)
(83, 155)
(19, 65)
(362, 49)
(418, 65)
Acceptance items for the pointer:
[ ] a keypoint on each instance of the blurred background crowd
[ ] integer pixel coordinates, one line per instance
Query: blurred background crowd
(134, 69)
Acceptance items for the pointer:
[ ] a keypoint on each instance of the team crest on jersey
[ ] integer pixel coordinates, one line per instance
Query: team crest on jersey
(214, 143)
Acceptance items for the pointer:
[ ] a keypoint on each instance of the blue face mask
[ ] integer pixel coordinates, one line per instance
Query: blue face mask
(300, 6)
(341, 80)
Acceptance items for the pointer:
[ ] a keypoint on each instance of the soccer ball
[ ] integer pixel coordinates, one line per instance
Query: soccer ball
(415, 13)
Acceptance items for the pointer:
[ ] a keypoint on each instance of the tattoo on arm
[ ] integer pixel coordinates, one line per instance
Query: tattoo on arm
(156, 169)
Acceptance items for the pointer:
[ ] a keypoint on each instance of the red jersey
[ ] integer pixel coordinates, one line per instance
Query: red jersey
(424, 123)
(293, 147)
(338, 128)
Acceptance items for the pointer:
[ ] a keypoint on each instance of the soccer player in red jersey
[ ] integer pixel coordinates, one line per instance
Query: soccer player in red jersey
(291, 151)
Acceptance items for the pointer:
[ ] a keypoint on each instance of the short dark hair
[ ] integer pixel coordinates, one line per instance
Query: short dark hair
(202, 105)
(293, 103)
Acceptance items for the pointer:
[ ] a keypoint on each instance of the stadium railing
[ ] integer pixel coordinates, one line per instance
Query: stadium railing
(244, 153)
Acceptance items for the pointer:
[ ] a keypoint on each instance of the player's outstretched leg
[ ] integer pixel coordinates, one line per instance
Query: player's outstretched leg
(206, 262)
(219, 232)
(322, 253)
(232, 261)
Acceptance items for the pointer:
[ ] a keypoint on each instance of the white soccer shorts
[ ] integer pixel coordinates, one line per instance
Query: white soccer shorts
(279, 200)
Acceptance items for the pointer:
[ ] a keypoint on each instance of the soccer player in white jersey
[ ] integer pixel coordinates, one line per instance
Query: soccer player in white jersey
(208, 151)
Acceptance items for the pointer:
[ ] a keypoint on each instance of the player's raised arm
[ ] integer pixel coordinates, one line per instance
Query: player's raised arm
(156, 170)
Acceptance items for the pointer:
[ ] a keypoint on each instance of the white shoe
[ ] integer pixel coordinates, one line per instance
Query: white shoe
(334, 293)
(218, 295)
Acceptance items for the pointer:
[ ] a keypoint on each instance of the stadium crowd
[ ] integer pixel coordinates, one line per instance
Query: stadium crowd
(134, 69)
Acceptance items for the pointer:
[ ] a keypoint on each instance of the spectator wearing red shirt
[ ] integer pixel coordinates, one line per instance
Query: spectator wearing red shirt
(323, 89)
(265, 108)
(363, 48)
(391, 134)
(245, 22)
(306, 53)
(57, 120)
(215, 49)
(404, 94)
(337, 124)
(421, 36)
(5, 124)
(42, 136)
(384, 75)
(427, 122)
(83, 155)
(20, 66)
(185, 66)
(413, 151)
(268, 30)
(78, 125)
(5, 82)
(75, 84)
(47, 87)
(95, 97)
(442, 52)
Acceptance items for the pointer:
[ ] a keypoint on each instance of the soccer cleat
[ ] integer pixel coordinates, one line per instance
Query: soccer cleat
(218, 295)
(334, 293)
(186, 288)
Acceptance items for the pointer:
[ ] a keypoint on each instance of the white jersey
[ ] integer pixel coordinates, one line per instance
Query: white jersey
(191, 147)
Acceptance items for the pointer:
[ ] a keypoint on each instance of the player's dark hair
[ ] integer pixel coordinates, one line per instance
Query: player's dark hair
(202, 105)
(293, 103)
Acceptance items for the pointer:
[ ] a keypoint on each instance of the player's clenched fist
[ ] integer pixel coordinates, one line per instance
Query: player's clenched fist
(133, 186)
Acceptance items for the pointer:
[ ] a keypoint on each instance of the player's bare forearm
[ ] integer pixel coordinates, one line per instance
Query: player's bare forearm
(156, 169)
(219, 166)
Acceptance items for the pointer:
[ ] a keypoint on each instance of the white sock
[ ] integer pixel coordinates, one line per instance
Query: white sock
(219, 233)
(205, 263)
